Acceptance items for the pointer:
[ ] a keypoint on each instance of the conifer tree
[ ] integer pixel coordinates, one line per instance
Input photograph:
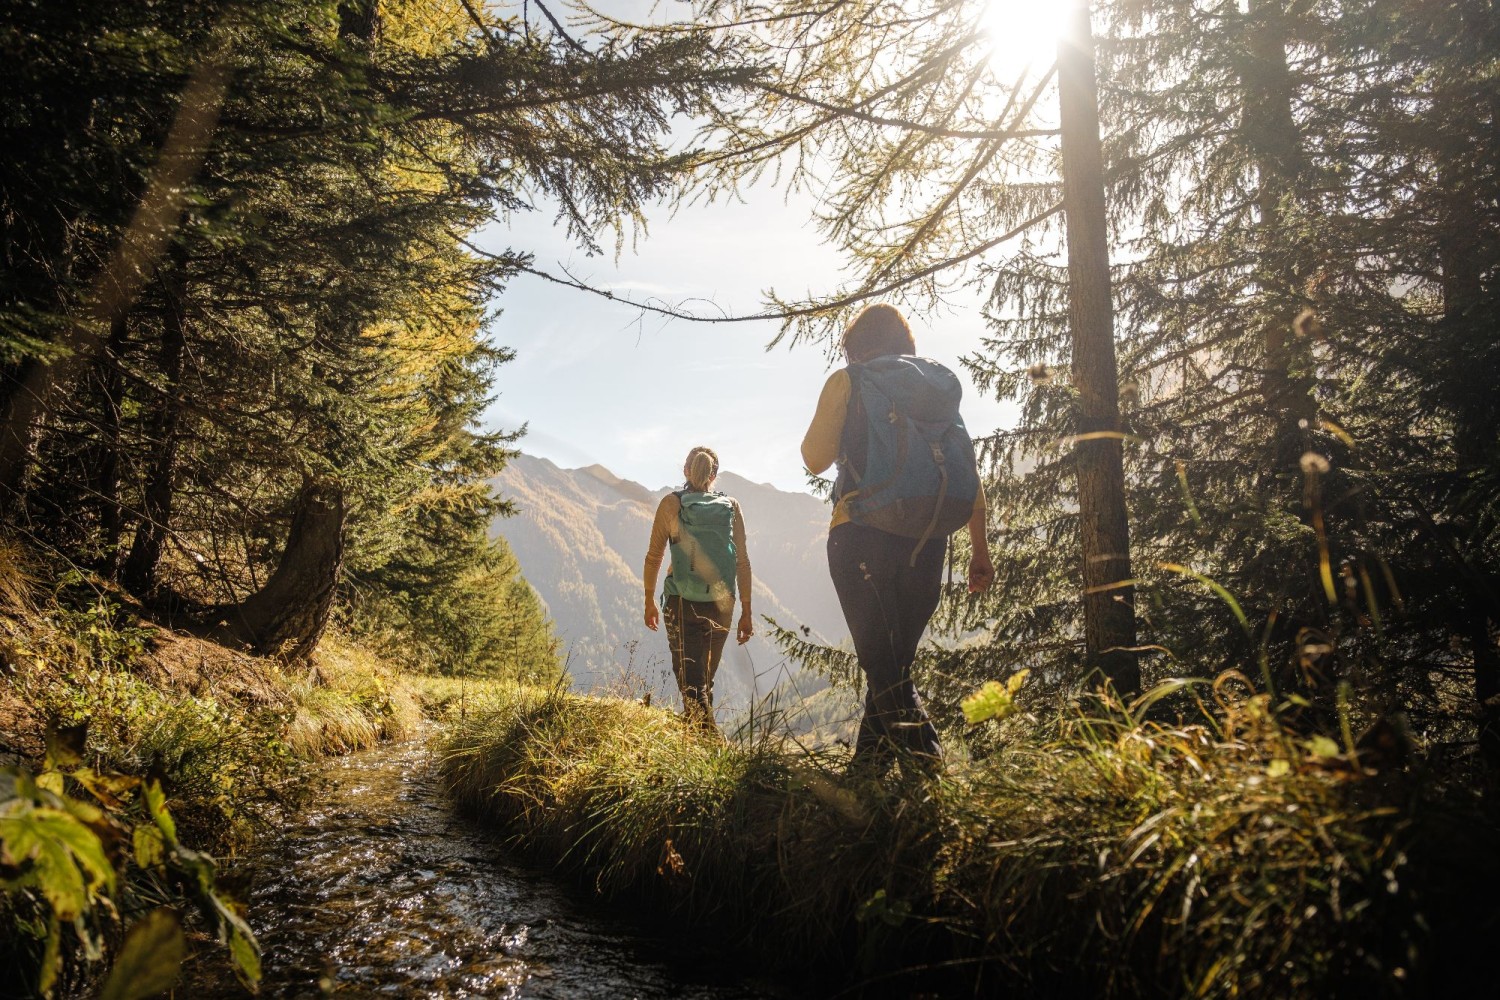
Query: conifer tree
(1300, 200)
(290, 358)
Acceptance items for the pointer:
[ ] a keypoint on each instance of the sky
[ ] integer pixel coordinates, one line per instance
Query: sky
(597, 381)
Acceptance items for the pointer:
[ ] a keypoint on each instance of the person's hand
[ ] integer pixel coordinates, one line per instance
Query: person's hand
(653, 616)
(981, 573)
(746, 629)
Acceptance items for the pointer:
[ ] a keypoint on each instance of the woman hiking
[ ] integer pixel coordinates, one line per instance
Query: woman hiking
(906, 479)
(706, 533)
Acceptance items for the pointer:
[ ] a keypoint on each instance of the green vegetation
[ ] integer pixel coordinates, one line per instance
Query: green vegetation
(134, 756)
(1252, 341)
(243, 361)
(1095, 855)
(1256, 334)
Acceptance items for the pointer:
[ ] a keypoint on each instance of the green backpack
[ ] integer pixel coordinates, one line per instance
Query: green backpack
(703, 553)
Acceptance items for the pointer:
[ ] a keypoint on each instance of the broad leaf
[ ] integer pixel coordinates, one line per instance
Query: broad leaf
(150, 960)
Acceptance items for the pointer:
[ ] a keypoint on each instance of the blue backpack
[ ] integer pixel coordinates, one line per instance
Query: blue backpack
(703, 551)
(906, 463)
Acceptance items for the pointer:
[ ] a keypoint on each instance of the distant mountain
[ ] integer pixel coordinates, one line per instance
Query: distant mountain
(580, 535)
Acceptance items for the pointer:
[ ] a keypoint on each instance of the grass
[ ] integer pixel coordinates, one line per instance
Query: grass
(1094, 856)
(351, 701)
(225, 740)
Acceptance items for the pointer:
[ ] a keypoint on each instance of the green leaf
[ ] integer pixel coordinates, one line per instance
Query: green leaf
(149, 961)
(68, 859)
(107, 788)
(51, 956)
(156, 802)
(1278, 768)
(1322, 746)
(991, 701)
(246, 955)
(148, 844)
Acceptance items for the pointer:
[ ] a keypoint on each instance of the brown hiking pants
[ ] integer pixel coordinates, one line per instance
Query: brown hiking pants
(696, 631)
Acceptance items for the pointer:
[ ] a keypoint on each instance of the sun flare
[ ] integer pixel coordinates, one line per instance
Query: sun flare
(1023, 32)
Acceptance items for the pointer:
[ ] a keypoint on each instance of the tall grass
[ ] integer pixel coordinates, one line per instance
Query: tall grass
(1100, 856)
(228, 734)
(352, 700)
(223, 741)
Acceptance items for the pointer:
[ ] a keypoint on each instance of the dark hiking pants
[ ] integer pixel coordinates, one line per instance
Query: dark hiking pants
(696, 631)
(887, 602)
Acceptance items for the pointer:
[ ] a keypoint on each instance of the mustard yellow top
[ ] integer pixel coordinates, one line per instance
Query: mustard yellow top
(665, 525)
(820, 445)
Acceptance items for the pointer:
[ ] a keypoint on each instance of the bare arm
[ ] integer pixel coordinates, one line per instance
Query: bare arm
(742, 580)
(661, 532)
(981, 569)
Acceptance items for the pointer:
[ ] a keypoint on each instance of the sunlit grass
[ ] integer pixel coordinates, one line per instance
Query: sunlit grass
(350, 701)
(1217, 859)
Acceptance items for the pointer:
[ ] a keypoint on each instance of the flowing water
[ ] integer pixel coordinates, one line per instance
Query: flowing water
(380, 889)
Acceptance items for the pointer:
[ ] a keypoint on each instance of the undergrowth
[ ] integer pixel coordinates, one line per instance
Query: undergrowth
(132, 757)
(1097, 855)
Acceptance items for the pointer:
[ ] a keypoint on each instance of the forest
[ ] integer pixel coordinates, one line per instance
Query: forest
(1228, 720)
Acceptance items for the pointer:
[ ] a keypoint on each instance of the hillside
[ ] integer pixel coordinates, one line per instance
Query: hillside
(580, 536)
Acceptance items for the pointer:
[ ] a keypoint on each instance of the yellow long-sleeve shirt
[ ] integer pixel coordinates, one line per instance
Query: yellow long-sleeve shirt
(665, 526)
(820, 445)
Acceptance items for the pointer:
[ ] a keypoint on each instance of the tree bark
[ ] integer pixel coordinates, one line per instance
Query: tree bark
(107, 475)
(287, 616)
(1108, 597)
(1270, 132)
(140, 572)
(18, 427)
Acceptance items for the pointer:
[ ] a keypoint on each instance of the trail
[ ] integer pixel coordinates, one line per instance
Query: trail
(380, 889)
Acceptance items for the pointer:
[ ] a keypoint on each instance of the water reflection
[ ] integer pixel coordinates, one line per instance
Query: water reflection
(380, 889)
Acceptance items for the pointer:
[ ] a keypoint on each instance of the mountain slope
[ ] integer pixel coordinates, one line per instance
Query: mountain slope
(580, 536)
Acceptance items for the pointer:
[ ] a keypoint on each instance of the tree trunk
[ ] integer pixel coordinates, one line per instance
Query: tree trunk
(360, 19)
(1466, 327)
(18, 428)
(140, 573)
(287, 616)
(107, 474)
(1108, 597)
(1270, 132)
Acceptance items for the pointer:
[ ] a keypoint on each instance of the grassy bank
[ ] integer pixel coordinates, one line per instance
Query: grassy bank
(1089, 857)
(131, 755)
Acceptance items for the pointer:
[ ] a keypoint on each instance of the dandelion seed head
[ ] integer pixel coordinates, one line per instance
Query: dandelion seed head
(1314, 464)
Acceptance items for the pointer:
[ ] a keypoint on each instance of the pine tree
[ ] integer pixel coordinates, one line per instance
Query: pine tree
(284, 377)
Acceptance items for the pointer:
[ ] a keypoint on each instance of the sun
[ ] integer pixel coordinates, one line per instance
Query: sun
(1023, 32)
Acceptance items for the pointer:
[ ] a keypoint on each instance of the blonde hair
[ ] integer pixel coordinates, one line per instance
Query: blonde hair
(878, 330)
(701, 468)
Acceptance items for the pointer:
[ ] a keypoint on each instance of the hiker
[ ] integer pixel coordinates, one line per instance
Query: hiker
(906, 480)
(709, 562)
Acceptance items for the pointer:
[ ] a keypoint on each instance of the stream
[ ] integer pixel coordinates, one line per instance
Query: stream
(379, 888)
